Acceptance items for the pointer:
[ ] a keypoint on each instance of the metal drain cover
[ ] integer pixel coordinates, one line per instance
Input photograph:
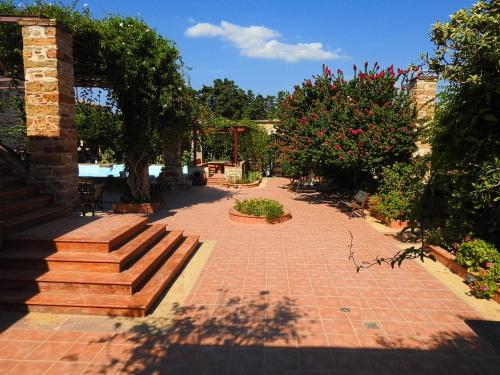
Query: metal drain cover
(372, 325)
(345, 309)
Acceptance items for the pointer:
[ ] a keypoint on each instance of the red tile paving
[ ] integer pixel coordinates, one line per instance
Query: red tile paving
(269, 300)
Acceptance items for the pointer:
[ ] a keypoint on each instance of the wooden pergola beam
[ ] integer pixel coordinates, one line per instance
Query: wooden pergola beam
(6, 18)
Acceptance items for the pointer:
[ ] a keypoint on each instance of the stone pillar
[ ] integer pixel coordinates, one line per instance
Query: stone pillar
(424, 91)
(172, 176)
(50, 108)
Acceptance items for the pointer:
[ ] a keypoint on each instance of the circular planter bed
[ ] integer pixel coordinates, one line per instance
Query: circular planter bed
(252, 219)
(137, 208)
(241, 186)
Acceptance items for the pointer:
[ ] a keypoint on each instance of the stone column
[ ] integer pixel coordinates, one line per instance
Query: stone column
(172, 173)
(50, 108)
(424, 91)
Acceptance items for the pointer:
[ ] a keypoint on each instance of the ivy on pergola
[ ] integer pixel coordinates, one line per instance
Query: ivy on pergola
(140, 69)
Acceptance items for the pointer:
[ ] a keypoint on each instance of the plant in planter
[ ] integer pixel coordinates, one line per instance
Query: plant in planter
(269, 208)
(483, 260)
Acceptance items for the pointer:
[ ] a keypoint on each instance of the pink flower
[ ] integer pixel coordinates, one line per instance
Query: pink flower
(489, 264)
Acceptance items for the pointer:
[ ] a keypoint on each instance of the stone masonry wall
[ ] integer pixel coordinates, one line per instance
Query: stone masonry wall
(424, 90)
(50, 108)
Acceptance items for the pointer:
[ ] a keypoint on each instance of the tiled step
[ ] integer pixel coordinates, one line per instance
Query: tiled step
(116, 261)
(137, 304)
(9, 181)
(77, 234)
(30, 219)
(17, 192)
(18, 207)
(5, 170)
(125, 282)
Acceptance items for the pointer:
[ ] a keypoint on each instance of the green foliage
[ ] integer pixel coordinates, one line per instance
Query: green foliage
(100, 129)
(476, 254)
(141, 70)
(358, 125)
(400, 189)
(463, 194)
(485, 286)
(269, 208)
(226, 99)
(253, 176)
(218, 144)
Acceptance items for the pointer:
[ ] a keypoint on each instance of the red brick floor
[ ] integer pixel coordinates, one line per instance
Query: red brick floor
(281, 299)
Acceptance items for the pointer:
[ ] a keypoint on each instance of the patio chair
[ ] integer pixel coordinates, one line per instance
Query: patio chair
(307, 184)
(358, 203)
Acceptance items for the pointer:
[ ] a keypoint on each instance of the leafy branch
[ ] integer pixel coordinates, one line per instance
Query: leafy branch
(397, 259)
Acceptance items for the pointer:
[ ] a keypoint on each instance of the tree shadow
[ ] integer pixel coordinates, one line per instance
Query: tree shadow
(256, 336)
(177, 199)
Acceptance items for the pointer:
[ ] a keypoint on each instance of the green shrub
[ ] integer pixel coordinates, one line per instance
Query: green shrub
(485, 285)
(269, 208)
(254, 176)
(477, 254)
(401, 186)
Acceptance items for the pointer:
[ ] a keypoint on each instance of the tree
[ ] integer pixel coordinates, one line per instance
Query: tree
(463, 195)
(356, 126)
(123, 55)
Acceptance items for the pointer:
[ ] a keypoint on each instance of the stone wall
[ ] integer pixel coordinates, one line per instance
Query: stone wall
(12, 127)
(424, 90)
(50, 108)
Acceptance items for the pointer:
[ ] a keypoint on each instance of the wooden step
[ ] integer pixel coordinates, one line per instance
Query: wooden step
(134, 305)
(17, 192)
(18, 207)
(30, 219)
(9, 181)
(76, 233)
(125, 282)
(5, 170)
(116, 261)
(166, 274)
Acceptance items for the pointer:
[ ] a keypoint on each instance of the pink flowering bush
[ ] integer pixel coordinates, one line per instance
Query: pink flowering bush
(361, 124)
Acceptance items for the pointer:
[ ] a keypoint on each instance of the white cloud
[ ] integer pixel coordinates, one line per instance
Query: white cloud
(261, 42)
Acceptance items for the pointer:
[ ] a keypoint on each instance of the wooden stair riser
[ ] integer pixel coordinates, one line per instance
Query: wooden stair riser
(168, 273)
(75, 310)
(32, 221)
(10, 181)
(18, 193)
(50, 265)
(24, 206)
(65, 287)
(167, 246)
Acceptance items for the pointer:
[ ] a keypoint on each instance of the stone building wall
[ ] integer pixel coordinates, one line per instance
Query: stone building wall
(50, 108)
(424, 90)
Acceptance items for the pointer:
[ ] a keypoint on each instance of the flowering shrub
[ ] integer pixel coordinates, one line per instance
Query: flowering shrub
(482, 258)
(360, 124)
(477, 254)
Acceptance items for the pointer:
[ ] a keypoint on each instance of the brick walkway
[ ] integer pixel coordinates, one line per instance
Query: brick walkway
(280, 299)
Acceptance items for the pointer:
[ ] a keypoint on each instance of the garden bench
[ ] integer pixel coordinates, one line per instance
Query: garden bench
(358, 203)
(306, 183)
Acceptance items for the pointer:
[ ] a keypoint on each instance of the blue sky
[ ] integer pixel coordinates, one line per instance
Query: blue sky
(267, 46)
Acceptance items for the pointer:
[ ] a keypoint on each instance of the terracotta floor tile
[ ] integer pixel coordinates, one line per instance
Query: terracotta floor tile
(339, 327)
(18, 349)
(49, 351)
(65, 336)
(35, 335)
(82, 352)
(66, 368)
(6, 365)
(30, 367)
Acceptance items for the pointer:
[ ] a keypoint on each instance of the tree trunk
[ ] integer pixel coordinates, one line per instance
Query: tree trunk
(138, 177)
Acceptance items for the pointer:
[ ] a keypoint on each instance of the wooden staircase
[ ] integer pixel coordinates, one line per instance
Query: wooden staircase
(111, 265)
(216, 179)
(21, 204)
(114, 265)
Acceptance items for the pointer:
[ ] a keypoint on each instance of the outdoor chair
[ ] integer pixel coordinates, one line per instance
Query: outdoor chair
(358, 203)
(307, 184)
